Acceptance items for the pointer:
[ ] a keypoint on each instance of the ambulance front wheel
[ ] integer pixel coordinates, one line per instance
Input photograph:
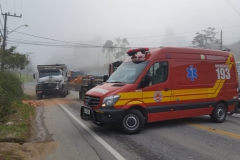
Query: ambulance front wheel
(219, 113)
(133, 122)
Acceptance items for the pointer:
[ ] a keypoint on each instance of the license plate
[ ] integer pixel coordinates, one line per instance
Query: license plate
(39, 91)
(86, 111)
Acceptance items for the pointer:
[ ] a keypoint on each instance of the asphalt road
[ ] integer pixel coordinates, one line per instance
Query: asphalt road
(183, 139)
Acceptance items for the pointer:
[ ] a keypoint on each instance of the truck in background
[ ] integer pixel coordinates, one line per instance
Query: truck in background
(80, 83)
(73, 80)
(112, 68)
(51, 80)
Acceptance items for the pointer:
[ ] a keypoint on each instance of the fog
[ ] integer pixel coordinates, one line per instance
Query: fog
(145, 23)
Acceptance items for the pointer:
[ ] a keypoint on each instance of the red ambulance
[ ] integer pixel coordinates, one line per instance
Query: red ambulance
(162, 84)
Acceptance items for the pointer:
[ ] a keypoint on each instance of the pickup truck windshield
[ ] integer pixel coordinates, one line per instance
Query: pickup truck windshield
(127, 72)
(49, 73)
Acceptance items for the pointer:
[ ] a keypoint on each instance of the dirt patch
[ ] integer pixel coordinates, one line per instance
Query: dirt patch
(48, 102)
(39, 144)
(26, 151)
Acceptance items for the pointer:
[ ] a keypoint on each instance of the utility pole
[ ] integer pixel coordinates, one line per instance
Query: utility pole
(98, 60)
(4, 31)
(28, 57)
(5, 36)
(221, 40)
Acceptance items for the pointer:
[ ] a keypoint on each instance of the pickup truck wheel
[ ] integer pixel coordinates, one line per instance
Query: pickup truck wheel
(39, 96)
(83, 92)
(79, 95)
(132, 122)
(219, 113)
(64, 94)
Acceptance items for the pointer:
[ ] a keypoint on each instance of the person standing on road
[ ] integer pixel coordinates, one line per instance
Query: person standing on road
(90, 84)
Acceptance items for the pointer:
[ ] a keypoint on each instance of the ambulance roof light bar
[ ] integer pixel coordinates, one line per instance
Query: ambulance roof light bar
(132, 52)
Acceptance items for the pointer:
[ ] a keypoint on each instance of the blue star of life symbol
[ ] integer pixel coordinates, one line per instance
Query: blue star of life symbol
(192, 73)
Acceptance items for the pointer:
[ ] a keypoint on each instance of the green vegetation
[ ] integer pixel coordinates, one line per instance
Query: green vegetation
(26, 78)
(14, 115)
(207, 39)
(19, 130)
(12, 109)
(10, 59)
(118, 50)
(9, 155)
(10, 91)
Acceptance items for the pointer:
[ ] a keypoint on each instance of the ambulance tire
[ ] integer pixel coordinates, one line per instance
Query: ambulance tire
(219, 113)
(132, 122)
(230, 113)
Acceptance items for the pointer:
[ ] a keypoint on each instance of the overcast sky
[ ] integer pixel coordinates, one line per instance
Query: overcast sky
(142, 22)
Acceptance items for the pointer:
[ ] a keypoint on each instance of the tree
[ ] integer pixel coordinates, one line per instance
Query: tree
(117, 50)
(108, 48)
(10, 59)
(207, 39)
(121, 48)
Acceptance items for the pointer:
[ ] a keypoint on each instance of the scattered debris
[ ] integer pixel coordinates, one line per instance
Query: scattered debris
(32, 103)
(9, 123)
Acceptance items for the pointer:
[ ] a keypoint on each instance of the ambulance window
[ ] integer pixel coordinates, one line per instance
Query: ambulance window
(127, 72)
(158, 72)
(238, 69)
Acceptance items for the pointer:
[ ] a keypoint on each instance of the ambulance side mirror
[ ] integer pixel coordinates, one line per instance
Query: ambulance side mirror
(146, 81)
(34, 75)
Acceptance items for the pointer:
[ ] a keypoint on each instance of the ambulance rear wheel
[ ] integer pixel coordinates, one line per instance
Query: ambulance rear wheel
(230, 113)
(219, 113)
(133, 122)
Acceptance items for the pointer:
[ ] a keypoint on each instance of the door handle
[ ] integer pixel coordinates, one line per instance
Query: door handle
(166, 89)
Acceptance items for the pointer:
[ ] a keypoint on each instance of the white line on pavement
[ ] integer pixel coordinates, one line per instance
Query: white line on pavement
(99, 139)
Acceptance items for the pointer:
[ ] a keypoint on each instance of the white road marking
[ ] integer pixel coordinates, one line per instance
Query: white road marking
(99, 139)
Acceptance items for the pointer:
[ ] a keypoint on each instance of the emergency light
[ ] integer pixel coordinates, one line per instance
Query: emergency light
(132, 52)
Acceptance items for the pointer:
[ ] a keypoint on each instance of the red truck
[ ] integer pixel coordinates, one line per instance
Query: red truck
(78, 80)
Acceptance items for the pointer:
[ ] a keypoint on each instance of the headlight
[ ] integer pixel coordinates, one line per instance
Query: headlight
(57, 86)
(110, 100)
(39, 86)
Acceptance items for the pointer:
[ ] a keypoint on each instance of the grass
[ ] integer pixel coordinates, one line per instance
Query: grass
(19, 131)
(8, 155)
(26, 77)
